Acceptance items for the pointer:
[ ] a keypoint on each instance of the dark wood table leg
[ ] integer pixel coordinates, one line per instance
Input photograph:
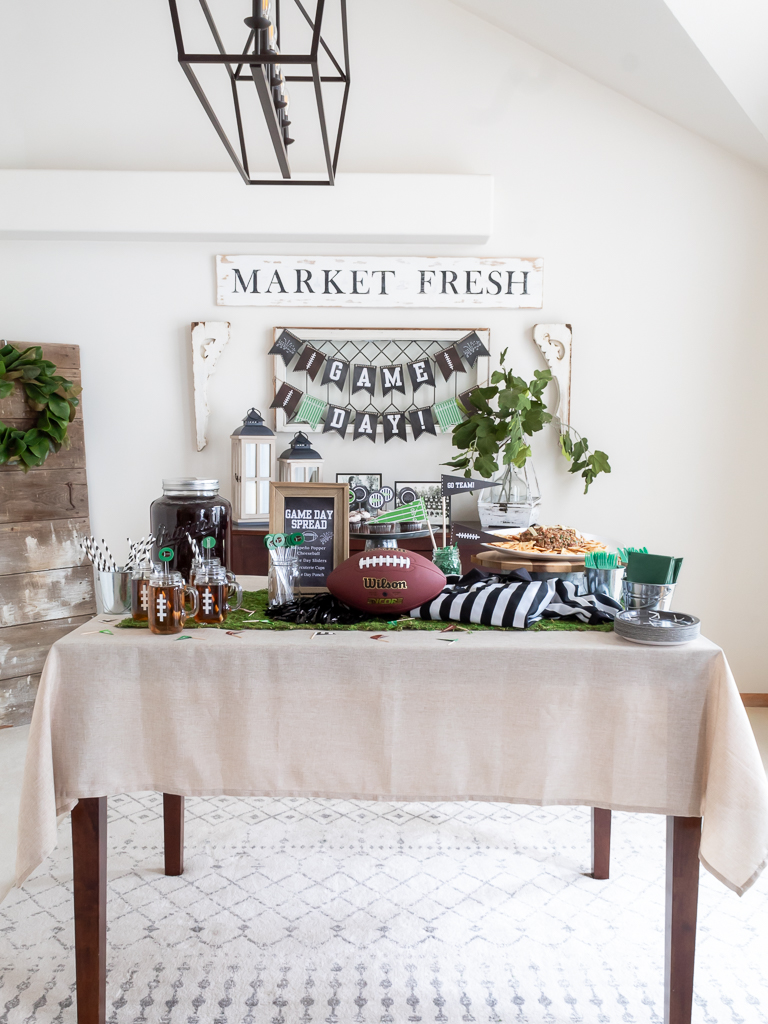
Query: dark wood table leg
(173, 833)
(683, 838)
(601, 842)
(89, 859)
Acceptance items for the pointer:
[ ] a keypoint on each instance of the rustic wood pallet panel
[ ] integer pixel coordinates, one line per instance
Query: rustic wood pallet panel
(46, 586)
(23, 649)
(43, 494)
(48, 544)
(39, 596)
(17, 700)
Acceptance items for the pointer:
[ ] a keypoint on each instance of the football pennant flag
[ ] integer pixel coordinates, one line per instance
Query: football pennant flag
(286, 346)
(471, 347)
(462, 533)
(366, 424)
(394, 426)
(449, 362)
(448, 414)
(450, 485)
(287, 398)
(310, 411)
(465, 400)
(363, 378)
(420, 372)
(335, 372)
(337, 419)
(421, 422)
(413, 512)
(392, 379)
(310, 361)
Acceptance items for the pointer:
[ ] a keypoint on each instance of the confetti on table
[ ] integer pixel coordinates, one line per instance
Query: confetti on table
(235, 633)
(380, 636)
(255, 612)
(448, 639)
(322, 632)
(184, 636)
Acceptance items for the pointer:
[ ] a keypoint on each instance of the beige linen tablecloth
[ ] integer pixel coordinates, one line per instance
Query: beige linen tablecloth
(535, 718)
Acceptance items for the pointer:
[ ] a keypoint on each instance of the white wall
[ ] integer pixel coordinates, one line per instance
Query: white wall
(655, 245)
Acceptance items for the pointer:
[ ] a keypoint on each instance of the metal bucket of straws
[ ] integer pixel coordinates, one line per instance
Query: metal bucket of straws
(113, 581)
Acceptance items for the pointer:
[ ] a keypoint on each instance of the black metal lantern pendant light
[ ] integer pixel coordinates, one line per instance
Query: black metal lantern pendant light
(259, 63)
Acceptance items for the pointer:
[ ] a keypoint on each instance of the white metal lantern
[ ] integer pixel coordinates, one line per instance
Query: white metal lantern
(253, 448)
(300, 463)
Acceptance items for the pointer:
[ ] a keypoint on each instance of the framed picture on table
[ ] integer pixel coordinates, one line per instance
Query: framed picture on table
(321, 513)
(370, 480)
(407, 491)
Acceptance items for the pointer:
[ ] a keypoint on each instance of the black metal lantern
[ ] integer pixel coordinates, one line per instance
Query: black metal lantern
(254, 61)
(300, 463)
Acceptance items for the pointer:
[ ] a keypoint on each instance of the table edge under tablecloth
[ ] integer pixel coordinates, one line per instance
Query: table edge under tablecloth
(65, 805)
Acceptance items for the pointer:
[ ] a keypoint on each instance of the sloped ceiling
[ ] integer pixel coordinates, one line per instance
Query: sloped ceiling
(641, 49)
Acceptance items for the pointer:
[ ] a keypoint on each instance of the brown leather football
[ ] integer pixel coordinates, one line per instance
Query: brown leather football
(386, 580)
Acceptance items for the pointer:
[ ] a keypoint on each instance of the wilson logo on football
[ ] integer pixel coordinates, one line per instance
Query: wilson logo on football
(372, 583)
(396, 561)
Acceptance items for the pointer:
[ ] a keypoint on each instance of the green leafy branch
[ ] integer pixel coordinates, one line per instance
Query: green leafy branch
(582, 460)
(501, 431)
(52, 396)
(505, 415)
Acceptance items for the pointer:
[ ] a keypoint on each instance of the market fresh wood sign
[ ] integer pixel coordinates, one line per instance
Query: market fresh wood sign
(488, 282)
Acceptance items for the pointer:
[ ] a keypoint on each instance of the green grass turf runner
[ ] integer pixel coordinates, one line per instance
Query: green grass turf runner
(256, 601)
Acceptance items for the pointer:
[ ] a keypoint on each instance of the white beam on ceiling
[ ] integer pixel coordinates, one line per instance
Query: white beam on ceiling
(214, 205)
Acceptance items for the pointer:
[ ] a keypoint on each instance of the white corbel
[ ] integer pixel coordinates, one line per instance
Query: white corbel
(554, 342)
(208, 341)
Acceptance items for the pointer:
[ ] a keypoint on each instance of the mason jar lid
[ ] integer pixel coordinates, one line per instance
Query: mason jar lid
(190, 485)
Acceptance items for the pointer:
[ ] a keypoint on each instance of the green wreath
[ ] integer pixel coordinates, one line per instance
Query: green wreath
(54, 397)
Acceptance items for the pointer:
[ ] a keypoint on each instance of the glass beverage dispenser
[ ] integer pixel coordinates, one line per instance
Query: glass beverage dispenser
(191, 510)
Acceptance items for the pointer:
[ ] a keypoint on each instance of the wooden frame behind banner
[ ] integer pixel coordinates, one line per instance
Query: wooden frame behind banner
(339, 492)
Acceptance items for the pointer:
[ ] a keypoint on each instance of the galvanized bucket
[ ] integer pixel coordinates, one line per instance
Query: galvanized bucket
(655, 597)
(113, 592)
(607, 582)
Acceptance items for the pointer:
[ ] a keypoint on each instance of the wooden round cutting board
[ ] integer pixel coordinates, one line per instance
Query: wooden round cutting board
(506, 561)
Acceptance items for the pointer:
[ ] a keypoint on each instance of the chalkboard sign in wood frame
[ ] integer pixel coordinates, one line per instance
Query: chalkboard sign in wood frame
(300, 497)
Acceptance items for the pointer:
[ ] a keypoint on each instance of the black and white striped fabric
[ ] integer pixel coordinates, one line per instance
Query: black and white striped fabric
(514, 600)
(567, 603)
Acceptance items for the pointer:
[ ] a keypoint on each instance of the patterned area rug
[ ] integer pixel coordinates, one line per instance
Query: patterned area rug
(304, 911)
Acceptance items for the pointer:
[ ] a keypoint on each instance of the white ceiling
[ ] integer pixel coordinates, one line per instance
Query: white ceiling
(703, 66)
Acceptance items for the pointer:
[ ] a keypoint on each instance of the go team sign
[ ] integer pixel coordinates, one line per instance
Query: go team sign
(485, 282)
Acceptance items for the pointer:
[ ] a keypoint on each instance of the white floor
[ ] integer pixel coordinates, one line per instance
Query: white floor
(13, 745)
